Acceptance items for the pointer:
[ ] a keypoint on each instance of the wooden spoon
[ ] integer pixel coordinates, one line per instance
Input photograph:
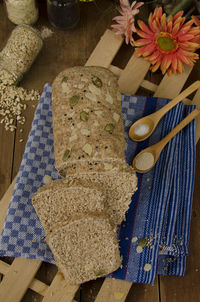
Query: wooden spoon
(150, 122)
(149, 159)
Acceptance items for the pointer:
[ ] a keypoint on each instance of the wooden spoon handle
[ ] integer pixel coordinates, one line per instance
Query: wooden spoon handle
(177, 99)
(179, 127)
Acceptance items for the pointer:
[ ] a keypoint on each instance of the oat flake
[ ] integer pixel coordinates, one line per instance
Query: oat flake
(134, 239)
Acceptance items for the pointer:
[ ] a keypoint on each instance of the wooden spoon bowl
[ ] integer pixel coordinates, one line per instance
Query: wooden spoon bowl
(156, 149)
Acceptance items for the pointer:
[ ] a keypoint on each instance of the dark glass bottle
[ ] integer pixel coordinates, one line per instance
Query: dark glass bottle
(63, 14)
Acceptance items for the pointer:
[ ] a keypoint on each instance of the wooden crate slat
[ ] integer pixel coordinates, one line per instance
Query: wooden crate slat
(195, 101)
(149, 86)
(116, 70)
(133, 75)
(4, 267)
(60, 291)
(171, 86)
(113, 290)
(36, 285)
(105, 51)
(16, 282)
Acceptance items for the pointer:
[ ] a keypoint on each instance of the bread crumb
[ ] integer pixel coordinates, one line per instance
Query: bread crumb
(46, 32)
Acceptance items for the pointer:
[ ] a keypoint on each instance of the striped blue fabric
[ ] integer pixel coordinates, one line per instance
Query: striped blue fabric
(161, 208)
(160, 211)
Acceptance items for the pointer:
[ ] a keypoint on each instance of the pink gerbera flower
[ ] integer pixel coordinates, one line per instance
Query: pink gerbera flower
(126, 23)
(168, 43)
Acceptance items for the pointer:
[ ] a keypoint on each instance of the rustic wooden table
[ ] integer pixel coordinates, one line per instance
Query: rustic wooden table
(68, 48)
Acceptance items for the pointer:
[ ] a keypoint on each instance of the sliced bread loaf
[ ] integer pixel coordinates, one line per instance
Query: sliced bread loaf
(85, 249)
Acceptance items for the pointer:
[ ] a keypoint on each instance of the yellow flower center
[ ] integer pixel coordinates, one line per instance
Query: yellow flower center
(166, 42)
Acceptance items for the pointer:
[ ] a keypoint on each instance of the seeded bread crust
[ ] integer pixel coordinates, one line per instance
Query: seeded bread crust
(55, 205)
(91, 129)
(85, 249)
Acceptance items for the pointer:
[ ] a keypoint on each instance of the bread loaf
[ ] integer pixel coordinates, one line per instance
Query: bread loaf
(80, 213)
(87, 122)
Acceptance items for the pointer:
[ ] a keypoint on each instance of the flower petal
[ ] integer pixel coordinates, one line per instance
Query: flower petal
(144, 27)
(142, 33)
(185, 37)
(147, 50)
(156, 66)
(196, 20)
(150, 21)
(163, 22)
(136, 5)
(174, 64)
(166, 62)
(142, 42)
(180, 68)
(179, 14)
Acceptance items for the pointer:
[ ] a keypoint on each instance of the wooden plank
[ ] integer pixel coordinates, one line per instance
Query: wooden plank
(4, 203)
(36, 285)
(6, 138)
(144, 292)
(171, 86)
(133, 75)
(60, 291)
(116, 70)
(6, 159)
(113, 290)
(196, 101)
(105, 51)
(18, 278)
(149, 86)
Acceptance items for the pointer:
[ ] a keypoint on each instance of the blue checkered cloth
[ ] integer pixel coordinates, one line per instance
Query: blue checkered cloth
(160, 211)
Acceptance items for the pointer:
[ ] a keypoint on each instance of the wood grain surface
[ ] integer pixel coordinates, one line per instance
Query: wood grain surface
(64, 49)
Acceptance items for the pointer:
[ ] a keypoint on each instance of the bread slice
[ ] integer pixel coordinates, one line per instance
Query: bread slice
(85, 249)
(56, 204)
(87, 121)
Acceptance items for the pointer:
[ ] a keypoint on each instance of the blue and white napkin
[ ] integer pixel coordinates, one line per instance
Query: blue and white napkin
(154, 238)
